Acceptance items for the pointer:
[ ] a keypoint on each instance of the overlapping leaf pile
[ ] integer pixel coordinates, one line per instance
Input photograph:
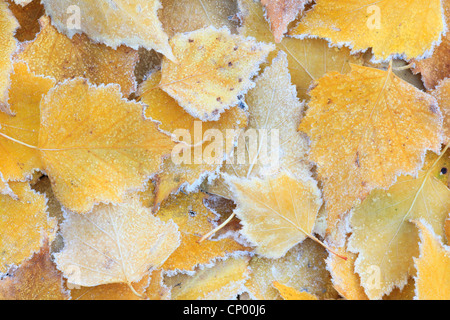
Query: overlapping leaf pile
(344, 193)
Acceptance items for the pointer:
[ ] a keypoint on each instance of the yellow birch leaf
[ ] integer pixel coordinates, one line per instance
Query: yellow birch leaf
(35, 279)
(275, 110)
(345, 280)
(383, 237)
(366, 128)
(282, 12)
(214, 68)
(390, 28)
(24, 223)
(223, 281)
(198, 161)
(95, 145)
(133, 23)
(436, 68)
(309, 59)
(442, 95)
(8, 26)
(433, 265)
(194, 220)
(277, 212)
(53, 54)
(114, 244)
(179, 16)
(302, 268)
(289, 293)
(18, 161)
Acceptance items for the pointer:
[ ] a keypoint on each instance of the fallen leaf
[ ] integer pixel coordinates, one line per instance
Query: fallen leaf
(194, 220)
(178, 16)
(282, 12)
(24, 223)
(302, 268)
(53, 54)
(17, 160)
(442, 95)
(309, 59)
(366, 128)
(276, 213)
(433, 265)
(275, 111)
(8, 27)
(406, 293)
(35, 279)
(345, 280)
(95, 145)
(390, 28)
(196, 158)
(383, 237)
(436, 68)
(27, 16)
(114, 244)
(133, 23)
(214, 68)
(224, 281)
(289, 293)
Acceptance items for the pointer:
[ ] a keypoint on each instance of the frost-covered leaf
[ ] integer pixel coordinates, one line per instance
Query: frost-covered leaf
(282, 12)
(24, 224)
(433, 266)
(194, 220)
(199, 154)
(274, 115)
(213, 69)
(8, 26)
(366, 128)
(390, 28)
(302, 268)
(289, 293)
(383, 237)
(18, 160)
(53, 54)
(35, 279)
(179, 16)
(276, 212)
(114, 244)
(223, 281)
(133, 23)
(95, 145)
(308, 59)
